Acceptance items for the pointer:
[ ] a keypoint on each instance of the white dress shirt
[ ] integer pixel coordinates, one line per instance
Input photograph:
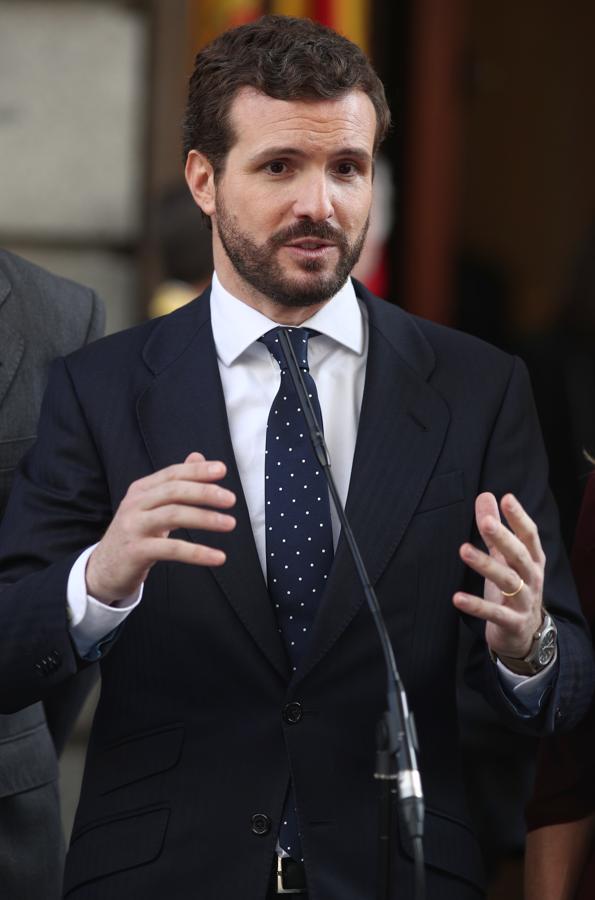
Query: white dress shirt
(250, 378)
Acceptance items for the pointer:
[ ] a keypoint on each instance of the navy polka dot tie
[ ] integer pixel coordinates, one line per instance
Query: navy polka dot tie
(299, 540)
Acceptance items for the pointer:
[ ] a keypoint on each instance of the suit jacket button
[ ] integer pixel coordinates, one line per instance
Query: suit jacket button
(292, 713)
(261, 824)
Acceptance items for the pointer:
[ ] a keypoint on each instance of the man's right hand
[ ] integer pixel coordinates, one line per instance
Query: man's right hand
(181, 496)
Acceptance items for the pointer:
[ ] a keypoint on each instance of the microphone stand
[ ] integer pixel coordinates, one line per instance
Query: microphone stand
(396, 738)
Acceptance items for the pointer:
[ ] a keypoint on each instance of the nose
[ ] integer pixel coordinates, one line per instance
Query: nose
(314, 201)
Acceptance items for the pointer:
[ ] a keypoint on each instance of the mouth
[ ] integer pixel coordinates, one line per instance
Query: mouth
(311, 247)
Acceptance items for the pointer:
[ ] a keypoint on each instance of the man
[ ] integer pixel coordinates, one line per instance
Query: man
(41, 317)
(233, 747)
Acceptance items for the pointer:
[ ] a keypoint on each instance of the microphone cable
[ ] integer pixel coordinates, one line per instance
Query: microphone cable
(396, 757)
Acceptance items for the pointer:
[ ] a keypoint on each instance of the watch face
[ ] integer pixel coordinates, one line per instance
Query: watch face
(547, 647)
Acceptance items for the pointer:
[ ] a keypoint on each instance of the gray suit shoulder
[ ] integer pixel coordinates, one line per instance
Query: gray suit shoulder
(36, 301)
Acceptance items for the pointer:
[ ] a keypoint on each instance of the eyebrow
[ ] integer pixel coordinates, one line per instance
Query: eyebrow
(276, 152)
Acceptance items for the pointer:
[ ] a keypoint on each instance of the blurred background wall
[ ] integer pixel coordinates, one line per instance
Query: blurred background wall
(73, 110)
(491, 151)
(487, 194)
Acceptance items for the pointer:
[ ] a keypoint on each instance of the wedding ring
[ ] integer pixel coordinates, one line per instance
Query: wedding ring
(514, 593)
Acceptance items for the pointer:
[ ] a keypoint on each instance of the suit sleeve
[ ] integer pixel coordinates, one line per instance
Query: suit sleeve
(59, 505)
(515, 461)
(63, 705)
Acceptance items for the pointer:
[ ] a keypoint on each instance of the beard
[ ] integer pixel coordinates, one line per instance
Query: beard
(258, 264)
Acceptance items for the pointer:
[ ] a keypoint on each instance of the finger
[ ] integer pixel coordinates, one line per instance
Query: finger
(194, 457)
(496, 613)
(168, 518)
(523, 526)
(199, 470)
(508, 549)
(487, 512)
(486, 505)
(174, 550)
(499, 573)
(188, 493)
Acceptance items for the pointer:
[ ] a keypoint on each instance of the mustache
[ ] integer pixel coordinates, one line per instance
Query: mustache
(308, 229)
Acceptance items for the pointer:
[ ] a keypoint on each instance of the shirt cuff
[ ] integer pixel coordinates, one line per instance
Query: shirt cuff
(527, 691)
(92, 620)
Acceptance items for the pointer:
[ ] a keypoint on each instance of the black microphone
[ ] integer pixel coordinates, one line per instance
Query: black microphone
(396, 757)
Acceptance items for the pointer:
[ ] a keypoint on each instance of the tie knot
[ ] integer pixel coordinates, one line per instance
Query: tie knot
(299, 341)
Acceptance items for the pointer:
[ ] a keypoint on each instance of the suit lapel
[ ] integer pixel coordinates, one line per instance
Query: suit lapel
(402, 428)
(12, 344)
(182, 410)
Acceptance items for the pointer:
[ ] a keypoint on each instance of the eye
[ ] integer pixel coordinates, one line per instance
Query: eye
(347, 169)
(276, 167)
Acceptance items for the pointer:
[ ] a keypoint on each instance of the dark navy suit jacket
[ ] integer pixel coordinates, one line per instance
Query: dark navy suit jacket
(189, 743)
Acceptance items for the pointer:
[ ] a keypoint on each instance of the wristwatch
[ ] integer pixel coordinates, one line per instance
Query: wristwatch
(541, 652)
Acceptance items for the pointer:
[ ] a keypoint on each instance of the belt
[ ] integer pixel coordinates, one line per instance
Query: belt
(288, 877)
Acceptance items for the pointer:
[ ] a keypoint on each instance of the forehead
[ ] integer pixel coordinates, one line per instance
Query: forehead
(259, 120)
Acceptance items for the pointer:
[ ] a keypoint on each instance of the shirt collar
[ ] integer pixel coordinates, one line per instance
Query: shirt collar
(236, 325)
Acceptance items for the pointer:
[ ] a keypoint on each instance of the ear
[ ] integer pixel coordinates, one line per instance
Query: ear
(201, 181)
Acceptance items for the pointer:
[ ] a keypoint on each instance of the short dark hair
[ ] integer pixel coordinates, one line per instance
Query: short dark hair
(283, 57)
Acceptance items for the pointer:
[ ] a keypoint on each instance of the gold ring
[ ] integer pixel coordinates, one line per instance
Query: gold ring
(514, 593)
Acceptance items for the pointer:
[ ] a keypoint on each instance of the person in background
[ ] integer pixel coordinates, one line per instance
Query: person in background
(560, 853)
(41, 317)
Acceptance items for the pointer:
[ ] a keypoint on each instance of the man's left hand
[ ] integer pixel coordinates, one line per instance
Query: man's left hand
(513, 570)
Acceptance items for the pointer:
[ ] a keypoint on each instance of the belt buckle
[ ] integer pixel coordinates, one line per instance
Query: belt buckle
(280, 888)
